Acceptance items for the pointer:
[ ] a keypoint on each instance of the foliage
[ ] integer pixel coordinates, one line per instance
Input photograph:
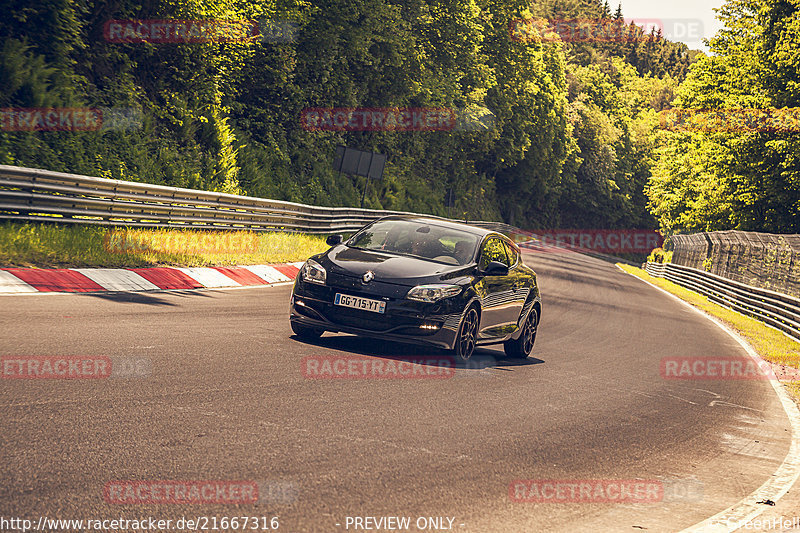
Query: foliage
(571, 144)
(748, 180)
(657, 255)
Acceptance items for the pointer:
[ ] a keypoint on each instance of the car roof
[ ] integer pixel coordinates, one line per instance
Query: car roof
(481, 232)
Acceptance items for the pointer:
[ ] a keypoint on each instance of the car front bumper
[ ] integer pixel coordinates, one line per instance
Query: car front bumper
(404, 320)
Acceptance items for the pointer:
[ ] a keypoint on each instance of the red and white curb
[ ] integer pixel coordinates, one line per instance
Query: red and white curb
(29, 280)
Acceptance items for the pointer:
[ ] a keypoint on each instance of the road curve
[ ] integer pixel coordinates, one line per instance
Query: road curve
(226, 400)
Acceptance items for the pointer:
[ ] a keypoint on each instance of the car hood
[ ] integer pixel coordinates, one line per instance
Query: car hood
(389, 268)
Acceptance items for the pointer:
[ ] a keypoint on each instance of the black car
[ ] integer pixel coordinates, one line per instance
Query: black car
(420, 280)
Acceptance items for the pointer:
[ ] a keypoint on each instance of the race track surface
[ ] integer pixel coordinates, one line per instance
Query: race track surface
(225, 398)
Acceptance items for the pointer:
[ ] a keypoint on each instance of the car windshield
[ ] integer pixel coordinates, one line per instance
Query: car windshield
(418, 239)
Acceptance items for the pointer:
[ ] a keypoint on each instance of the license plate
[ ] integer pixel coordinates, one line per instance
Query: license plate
(365, 304)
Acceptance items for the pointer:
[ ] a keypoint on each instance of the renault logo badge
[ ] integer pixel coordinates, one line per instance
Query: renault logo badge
(368, 276)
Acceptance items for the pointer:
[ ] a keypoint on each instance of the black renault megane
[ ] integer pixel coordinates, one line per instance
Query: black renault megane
(420, 280)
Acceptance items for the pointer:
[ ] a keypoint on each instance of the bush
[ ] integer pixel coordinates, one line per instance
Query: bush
(658, 255)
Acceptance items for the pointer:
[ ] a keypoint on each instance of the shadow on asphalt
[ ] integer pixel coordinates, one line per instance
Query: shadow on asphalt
(481, 359)
(146, 298)
(595, 281)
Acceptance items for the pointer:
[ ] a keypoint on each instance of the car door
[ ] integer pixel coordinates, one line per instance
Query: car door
(495, 292)
(520, 286)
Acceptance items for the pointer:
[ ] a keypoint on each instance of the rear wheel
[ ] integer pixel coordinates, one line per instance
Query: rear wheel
(306, 332)
(522, 347)
(467, 335)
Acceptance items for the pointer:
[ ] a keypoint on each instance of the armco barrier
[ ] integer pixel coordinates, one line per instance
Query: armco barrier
(766, 260)
(776, 309)
(45, 196)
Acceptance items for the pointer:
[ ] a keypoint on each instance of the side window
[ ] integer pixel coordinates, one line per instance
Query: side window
(513, 254)
(493, 250)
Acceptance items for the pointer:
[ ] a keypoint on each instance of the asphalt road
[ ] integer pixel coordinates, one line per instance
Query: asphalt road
(226, 399)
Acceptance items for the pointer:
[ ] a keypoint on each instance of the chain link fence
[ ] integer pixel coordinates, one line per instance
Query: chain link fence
(762, 260)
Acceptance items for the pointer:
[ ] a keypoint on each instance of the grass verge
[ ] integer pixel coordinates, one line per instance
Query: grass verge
(69, 246)
(772, 345)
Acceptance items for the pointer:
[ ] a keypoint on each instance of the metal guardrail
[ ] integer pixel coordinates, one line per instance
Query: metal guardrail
(776, 309)
(766, 260)
(46, 196)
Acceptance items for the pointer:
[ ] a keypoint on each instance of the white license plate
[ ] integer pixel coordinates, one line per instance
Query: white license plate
(365, 304)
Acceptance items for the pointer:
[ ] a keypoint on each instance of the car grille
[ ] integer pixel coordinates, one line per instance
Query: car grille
(375, 289)
(367, 320)
(360, 319)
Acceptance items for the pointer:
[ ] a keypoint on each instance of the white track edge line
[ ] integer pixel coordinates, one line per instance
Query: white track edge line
(737, 515)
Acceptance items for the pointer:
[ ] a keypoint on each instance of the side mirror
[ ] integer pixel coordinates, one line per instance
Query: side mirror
(496, 268)
(333, 240)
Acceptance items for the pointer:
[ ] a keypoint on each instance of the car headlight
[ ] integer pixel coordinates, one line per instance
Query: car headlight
(433, 293)
(313, 272)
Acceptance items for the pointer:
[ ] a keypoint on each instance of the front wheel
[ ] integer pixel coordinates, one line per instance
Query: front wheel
(467, 335)
(306, 332)
(522, 347)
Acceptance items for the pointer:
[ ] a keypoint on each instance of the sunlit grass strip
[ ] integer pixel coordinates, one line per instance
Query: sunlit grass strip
(52, 245)
(771, 344)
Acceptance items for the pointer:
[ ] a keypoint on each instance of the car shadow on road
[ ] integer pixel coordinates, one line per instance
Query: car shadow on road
(430, 356)
(146, 298)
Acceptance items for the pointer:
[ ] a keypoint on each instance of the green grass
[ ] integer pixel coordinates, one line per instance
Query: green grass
(771, 344)
(66, 246)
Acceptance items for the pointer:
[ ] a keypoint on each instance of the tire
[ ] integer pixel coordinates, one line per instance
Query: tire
(467, 335)
(306, 332)
(522, 347)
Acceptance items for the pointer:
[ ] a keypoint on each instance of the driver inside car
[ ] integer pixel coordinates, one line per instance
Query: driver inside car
(419, 247)
(462, 252)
